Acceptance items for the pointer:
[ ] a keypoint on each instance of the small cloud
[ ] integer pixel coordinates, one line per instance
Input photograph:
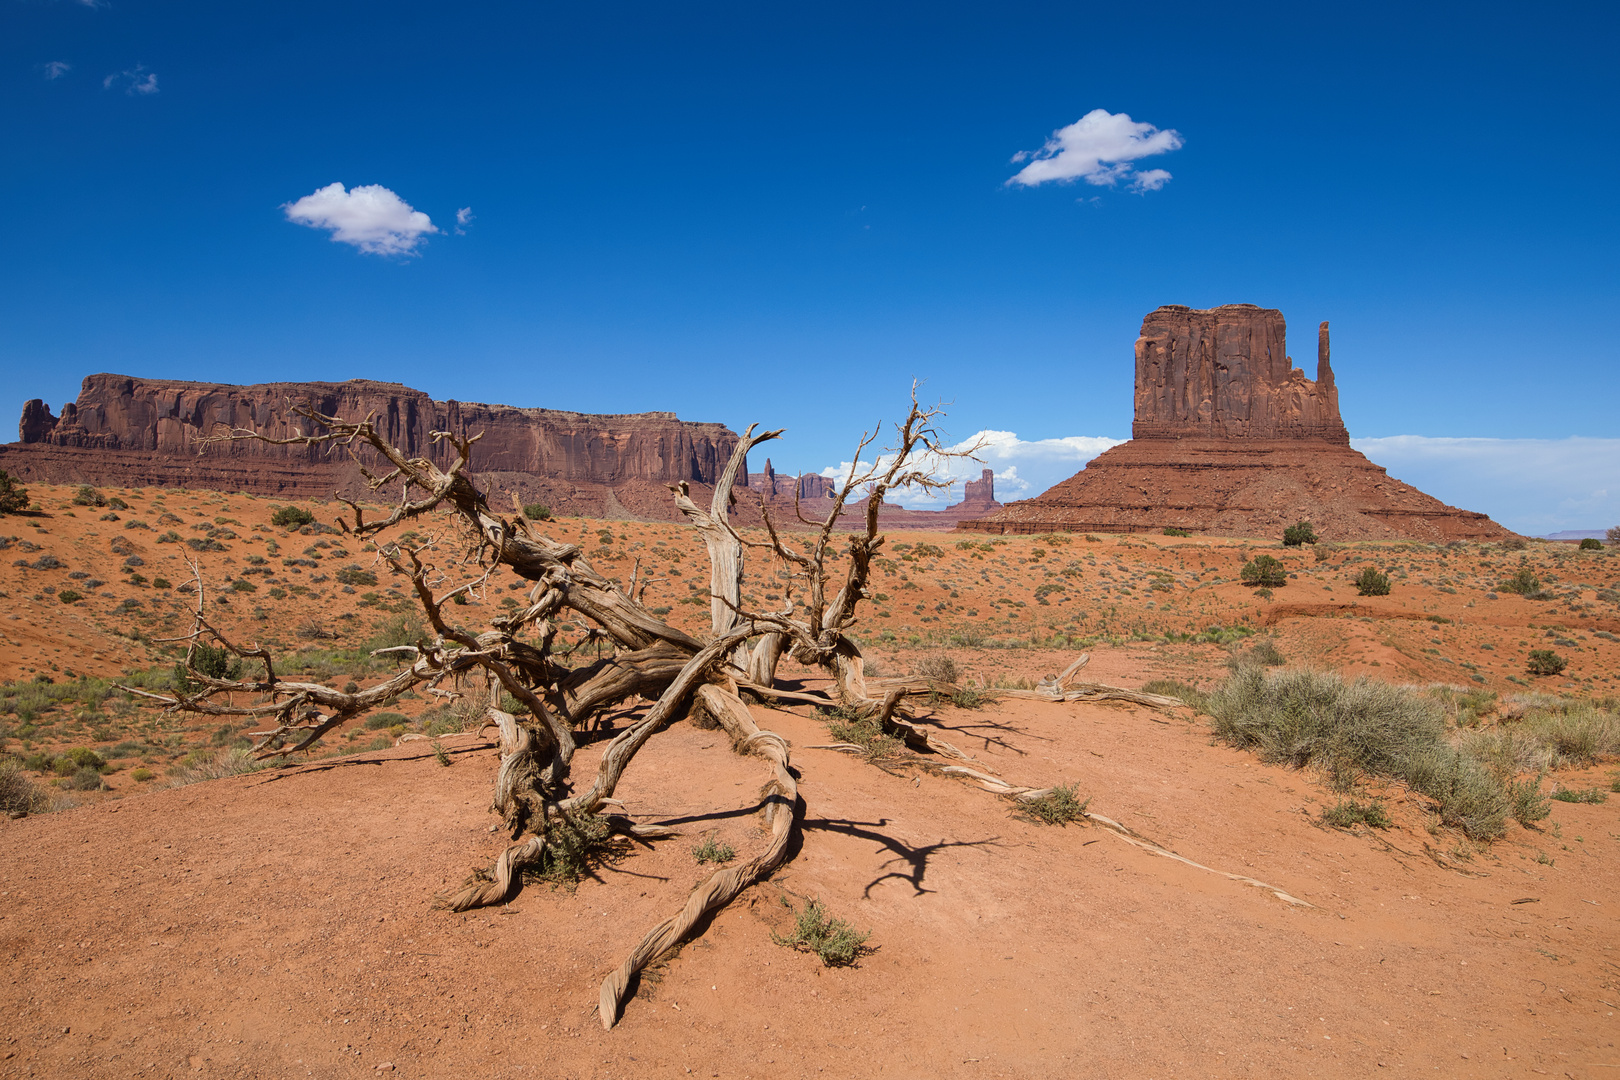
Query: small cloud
(464, 217)
(1099, 148)
(1022, 467)
(135, 80)
(370, 217)
(92, 3)
(55, 69)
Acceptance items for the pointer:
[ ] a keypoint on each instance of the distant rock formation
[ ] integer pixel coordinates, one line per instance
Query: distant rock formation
(144, 432)
(978, 496)
(1230, 439)
(807, 487)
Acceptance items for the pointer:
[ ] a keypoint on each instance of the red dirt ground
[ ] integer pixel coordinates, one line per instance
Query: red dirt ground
(282, 923)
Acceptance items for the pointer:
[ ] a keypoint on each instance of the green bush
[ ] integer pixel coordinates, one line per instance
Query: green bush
(1591, 543)
(1529, 804)
(1177, 532)
(537, 512)
(354, 575)
(1372, 582)
(88, 496)
(291, 517)
(574, 843)
(85, 779)
(1299, 533)
(1524, 582)
(1264, 570)
(12, 498)
(1545, 662)
(69, 596)
(834, 940)
(141, 775)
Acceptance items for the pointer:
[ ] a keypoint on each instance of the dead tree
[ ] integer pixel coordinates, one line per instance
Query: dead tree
(535, 792)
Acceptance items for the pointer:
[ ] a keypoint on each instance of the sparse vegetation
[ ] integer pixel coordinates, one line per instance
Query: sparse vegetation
(1348, 813)
(837, 942)
(1523, 582)
(291, 517)
(13, 498)
(1591, 543)
(1372, 582)
(1545, 662)
(1581, 795)
(1177, 532)
(1299, 533)
(712, 850)
(1264, 570)
(537, 512)
(1059, 806)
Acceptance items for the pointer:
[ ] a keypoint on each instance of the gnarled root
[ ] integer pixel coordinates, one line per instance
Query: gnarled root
(1129, 835)
(503, 875)
(780, 794)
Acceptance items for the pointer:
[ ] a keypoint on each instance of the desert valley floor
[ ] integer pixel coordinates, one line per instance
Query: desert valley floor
(282, 922)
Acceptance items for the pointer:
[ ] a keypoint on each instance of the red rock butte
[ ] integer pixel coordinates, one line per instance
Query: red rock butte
(1230, 439)
(124, 431)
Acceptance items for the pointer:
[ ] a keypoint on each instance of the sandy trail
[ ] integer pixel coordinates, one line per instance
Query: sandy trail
(282, 924)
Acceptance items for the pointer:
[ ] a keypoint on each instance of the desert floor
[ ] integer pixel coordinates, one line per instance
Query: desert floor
(282, 922)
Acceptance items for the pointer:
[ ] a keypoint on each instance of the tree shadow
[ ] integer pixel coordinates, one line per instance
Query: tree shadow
(914, 857)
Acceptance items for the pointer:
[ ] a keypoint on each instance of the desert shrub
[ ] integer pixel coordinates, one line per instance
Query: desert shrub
(18, 792)
(938, 668)
(537, 512)
(1523, 582)
(834, 940)
(1467, 794)
(199, 765)
(1545, 662)
(403, 629)
(1349, 813)
(574, 843)
(215, 661)
(69, 596)
(88, 496)
(386, 719)
(1193, 696)
(12, 498)
(1580, 735)
(1304, 717)
(1264, 570)
(354, 575)
(1372, 582)
(1514, 543)
(1577, 795)
(85, 779)
(713, 851)
(141, 775)
(968, 697)
(1299, 533)
(291, 517)
(161, 583)
(867, 734)
(1059, 806)
(1177, 532)
(1529, 805)
(1263, 653)
(80, 757)
(1591, 543)
(243, 585)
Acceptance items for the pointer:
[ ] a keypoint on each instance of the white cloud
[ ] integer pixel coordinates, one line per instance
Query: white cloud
(55, 69)
(1099, 148)
(370, 217)
(1022, 468)
(135, 80)
(464, 215)
(1533, 486)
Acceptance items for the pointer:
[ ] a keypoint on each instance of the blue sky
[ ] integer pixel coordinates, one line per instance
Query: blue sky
(745, 212)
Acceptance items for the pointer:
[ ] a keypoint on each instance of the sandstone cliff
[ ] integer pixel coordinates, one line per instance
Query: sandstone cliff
(1231, 439)
(1226, 373)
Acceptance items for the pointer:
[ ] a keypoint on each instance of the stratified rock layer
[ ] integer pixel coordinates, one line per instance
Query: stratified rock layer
(144, 432)
(1232, 440)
